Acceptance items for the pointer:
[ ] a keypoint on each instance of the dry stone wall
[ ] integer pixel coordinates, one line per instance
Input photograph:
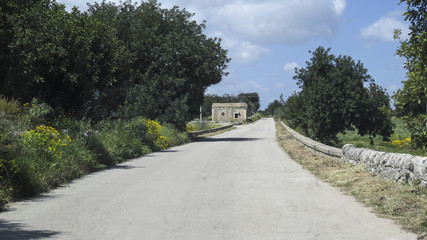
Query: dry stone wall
(403, 168)
(398, 167)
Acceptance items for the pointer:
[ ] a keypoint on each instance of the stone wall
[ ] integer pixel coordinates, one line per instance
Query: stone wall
(316, 146)
(403, 168)
(229, 112)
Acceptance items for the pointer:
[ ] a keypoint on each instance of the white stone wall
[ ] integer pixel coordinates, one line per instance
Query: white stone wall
(403, 168)
(399, 167)
(227, 112)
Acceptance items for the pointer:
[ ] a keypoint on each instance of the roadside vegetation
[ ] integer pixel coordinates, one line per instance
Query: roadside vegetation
(38, 152)
(406, 205)
(195, 125)
(81, 91)
(400, 141)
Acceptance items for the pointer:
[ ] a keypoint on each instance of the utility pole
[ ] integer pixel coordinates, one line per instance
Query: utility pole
(201, 117)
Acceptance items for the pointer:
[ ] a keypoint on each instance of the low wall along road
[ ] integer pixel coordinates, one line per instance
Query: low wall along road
(403, 168)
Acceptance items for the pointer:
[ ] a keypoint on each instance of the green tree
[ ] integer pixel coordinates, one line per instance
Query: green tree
(333, 98)
(174, 61)
(294, 111)
(252, 99)
(411, 100)
(64, 59)
(272, 108)
(121, 60)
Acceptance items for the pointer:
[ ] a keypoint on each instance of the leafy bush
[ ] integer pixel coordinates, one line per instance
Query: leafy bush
(255, 117)
(120, 142)
(134, 138)
(49, 158)
(417, 126)
(37, 157)
(199, 126)
(401, 143)
(11, 125)
(174, 136)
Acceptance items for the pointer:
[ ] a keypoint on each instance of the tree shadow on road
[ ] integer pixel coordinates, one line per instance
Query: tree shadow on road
(227, 139)
(15, 231)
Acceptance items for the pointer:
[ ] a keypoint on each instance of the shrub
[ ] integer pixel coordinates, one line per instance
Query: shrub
(38, 158)
(401, 143)
(37, 112)
(255, 117)
(134, 138)
(42, 153)
(154, 135)
(174, 136)
(121, 145)
(11, 125)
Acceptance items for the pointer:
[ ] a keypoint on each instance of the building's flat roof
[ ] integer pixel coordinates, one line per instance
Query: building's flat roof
(219, 105)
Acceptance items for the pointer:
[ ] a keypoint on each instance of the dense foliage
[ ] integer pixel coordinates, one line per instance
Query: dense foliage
(252, 99)
(334, 99)
(411, 100)
(37, 155)
(113, 61)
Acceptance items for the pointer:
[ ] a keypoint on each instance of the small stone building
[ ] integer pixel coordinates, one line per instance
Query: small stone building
(229, 112)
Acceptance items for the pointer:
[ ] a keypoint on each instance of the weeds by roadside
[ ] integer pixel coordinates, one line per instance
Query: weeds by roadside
(199, 126)
(400, 141)
(407, 205)
(39, 152)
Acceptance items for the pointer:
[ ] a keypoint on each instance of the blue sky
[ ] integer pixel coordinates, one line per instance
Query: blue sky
(268, 39)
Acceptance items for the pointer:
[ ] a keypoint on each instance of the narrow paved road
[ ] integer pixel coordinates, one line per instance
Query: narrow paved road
(237, 185)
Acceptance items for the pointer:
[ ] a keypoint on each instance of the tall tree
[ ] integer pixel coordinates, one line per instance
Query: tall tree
(334, 98)
(121, 60)
(411, 100)
(174, 62)
(252, 99)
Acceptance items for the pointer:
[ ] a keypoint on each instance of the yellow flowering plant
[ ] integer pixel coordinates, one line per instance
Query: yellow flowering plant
(154, 133)
(46, 139)
(402, 143)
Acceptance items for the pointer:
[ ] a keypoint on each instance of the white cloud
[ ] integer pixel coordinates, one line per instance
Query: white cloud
(290, 67)
(268, 21)
(383, 29)
(279, 22)
(236, 86)
(241, 51)
(245, 52)
(339, 6)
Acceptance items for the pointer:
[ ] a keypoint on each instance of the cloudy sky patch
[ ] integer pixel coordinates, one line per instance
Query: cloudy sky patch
(290, 67)
(383, 29)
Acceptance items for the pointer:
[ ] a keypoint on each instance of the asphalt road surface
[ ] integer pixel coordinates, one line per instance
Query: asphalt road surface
(237, 185)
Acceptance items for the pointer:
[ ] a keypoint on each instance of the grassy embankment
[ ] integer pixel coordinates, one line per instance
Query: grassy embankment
(199, 126)
(406, 205)
(400, 141)
(39, 152)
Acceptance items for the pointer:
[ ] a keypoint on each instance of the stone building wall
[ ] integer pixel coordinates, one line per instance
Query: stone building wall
(229, 112)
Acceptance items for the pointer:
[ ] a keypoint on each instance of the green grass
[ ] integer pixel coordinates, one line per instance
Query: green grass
(200, 126)
(406, 205)
(400, 133)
